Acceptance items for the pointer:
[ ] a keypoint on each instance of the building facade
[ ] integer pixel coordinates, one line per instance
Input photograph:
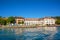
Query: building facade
(31, 21)
(49, 21)
(19, 20)
(36, 21)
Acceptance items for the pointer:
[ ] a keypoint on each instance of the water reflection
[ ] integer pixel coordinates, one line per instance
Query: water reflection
(57, 35)
(41, 33)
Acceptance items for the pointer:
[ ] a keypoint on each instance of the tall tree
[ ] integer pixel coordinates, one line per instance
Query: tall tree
(57, 20)
(11, 19)
(2, 21)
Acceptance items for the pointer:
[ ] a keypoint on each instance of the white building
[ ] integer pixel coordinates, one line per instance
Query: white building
(31, 21)
(49, 21)
(40, 21)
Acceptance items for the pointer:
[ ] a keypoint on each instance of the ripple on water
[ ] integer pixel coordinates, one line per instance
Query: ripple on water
(44, 35)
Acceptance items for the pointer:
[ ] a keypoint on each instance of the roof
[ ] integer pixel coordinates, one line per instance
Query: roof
(32, 19)
(19, 17)
(49, 18)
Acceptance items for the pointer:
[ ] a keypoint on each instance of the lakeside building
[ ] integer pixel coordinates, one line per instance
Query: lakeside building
(31, 21)
(49, 21)
(36, 21)
(19, 19)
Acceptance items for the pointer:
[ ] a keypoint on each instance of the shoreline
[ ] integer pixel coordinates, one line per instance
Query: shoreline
(28, 26)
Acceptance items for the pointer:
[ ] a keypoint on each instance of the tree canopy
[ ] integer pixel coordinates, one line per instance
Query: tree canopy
(2, 21)
(57, 20)
(11, 19)
(22, 22)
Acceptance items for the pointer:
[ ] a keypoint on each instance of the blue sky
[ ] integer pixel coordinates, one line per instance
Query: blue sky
(29, 8)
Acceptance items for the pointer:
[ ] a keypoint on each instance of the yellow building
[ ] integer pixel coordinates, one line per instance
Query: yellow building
(19, 20)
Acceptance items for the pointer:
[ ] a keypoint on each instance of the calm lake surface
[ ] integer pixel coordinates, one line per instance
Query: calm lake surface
(42, 33)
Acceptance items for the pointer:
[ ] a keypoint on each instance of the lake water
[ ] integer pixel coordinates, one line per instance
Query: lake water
(42, 33)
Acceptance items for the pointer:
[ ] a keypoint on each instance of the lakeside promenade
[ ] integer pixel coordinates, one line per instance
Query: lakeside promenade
(29, 26)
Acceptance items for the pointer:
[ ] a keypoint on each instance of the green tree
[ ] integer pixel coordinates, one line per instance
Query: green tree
(0, 16)
(22, 22)
(57, 17)
(2, 21)
(58, 21)
(11, 20)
